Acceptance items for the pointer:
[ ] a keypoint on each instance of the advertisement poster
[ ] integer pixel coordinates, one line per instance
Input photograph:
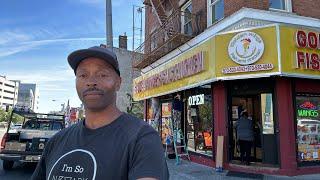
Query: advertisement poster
(166, 118)
(308, 128)
(235, 113)
(267, 114)
(166, 109)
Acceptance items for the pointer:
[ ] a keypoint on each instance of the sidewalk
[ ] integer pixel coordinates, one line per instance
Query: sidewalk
(192, 171)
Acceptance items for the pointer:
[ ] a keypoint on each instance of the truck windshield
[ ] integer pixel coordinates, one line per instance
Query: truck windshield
(42, 125)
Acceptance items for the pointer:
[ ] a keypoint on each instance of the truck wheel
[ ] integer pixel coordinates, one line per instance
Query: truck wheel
(7, 165)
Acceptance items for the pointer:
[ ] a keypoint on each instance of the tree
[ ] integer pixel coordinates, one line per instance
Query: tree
(5, 116)
(135, 108)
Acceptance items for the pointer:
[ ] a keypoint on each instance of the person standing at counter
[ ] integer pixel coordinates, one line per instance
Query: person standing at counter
(245, 136)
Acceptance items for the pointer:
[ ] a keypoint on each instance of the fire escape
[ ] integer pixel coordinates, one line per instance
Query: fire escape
(175, 28)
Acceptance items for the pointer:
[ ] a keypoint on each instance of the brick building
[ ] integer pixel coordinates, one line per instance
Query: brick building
(226, 56)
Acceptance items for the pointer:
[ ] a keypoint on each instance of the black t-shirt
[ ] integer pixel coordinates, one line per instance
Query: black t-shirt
(127, 148)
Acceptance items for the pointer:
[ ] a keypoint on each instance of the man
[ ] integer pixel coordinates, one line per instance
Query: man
(108, 144)
(245, 136)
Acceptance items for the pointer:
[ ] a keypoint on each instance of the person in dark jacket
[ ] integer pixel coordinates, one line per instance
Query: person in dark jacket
(245, 136)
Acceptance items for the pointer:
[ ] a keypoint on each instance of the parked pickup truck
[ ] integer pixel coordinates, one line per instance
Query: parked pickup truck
(26, 144)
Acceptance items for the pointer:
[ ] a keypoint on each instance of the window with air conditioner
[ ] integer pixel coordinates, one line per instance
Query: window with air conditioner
(186, 18)
(282, 5)
(215, 11)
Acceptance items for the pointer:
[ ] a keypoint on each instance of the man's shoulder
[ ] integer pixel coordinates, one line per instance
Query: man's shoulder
(133, 125)
(130, 121)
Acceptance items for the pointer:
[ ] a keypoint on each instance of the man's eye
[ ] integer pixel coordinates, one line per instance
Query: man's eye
(103, 75)
(81, 75)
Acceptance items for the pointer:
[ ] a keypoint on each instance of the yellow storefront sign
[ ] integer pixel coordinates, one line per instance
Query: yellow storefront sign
(258, 52)
(246, 53)
(190, 68)
(300, 52)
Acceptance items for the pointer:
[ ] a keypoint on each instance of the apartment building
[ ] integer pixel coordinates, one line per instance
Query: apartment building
(222, 57)
(8, 92)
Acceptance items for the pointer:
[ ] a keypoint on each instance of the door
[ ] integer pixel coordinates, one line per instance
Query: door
(260, 110)
(250, 103)
(269, 130)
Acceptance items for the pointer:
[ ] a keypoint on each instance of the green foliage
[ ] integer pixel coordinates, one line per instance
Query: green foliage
(135, 108)
(5, 116)
(206, 116)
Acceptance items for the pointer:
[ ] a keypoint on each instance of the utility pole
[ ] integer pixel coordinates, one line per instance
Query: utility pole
(109, 24)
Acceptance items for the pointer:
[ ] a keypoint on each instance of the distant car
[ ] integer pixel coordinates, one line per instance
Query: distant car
(3, 124)
(16, 126)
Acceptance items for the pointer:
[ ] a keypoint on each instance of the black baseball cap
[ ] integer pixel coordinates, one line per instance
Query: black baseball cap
(100, 52)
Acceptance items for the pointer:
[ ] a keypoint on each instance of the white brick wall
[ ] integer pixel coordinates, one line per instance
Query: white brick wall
(127, 75)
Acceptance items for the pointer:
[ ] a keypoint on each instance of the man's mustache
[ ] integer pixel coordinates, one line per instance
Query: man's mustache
(92, 89)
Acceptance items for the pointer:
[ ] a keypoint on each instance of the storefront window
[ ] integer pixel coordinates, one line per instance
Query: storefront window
(308, 127)
(199, 126)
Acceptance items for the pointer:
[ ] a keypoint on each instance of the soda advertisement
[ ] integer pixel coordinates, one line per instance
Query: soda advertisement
(308, 127)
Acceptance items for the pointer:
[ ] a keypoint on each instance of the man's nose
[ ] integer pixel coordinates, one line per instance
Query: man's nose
(92, 81)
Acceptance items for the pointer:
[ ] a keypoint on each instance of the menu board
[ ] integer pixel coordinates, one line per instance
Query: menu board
(308, 128)
(308, 136)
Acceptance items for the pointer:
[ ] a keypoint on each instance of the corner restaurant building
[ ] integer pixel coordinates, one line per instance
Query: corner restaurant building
(272, 71)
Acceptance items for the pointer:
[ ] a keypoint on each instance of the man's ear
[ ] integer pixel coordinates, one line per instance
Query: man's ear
(118, 84)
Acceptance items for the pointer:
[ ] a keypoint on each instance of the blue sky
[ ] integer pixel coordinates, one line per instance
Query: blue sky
(36, 37)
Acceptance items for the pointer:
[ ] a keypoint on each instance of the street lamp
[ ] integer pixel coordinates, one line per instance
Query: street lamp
(62, 105)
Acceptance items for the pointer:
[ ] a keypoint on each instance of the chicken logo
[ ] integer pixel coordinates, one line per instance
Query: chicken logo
(308, 105)
(246, 48)
(246, 44)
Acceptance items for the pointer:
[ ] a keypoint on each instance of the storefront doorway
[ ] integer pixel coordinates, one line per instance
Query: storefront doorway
(258, 102)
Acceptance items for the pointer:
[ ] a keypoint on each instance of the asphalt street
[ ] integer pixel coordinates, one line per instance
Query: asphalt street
(19, 171)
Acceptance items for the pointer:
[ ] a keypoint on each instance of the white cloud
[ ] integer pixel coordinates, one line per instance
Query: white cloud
(28, 45)
(9, 50)
(50, 75)
(13, 36)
